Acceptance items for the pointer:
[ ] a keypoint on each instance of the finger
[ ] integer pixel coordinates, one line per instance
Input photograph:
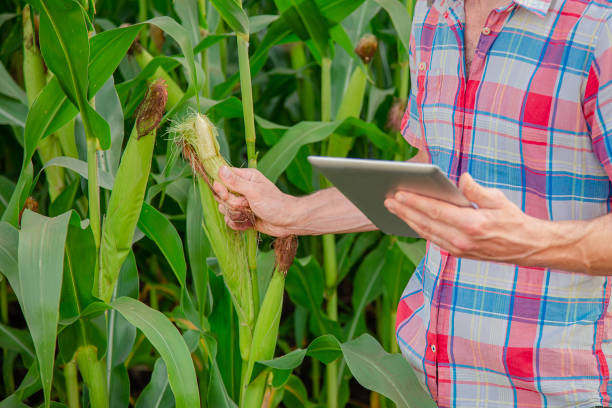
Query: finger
(236, 226)
(248, 174)
(426, 227)
(482, 196)
(220, 191)
(436, 209)
(234, 182)
(237, 202)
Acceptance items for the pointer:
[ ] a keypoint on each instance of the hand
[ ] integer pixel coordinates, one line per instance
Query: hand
(271, 207)
(496, 231)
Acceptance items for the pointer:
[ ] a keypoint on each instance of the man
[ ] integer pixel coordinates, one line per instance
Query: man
(510, 306)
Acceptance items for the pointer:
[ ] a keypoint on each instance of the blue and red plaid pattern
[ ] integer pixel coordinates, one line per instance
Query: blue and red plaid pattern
(534, 119)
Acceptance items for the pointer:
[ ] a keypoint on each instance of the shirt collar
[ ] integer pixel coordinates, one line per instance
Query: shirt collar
(539, 7)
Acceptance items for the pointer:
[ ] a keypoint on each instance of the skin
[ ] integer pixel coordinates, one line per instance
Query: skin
(496, 231)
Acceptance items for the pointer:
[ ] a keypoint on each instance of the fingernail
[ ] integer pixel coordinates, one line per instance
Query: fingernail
(390, 205)
(225, 171)
(401, 197)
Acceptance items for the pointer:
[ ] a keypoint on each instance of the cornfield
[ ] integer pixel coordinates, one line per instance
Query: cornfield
(120, 283)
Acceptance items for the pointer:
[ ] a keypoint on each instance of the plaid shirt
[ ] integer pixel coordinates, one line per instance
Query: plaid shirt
(533, 119)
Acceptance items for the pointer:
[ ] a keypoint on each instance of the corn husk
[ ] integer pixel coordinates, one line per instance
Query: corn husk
(197, 137)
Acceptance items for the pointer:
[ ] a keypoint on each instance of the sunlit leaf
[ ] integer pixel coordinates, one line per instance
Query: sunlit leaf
(169, 344)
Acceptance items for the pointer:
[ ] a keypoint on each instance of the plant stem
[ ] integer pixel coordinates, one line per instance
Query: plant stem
(329, 244)
(204, 27)
(249, 127)
(316, 378)
(305, 89)
(326, 89)
(72, 384)
(93, 193)
(143, 8)
(93, 372)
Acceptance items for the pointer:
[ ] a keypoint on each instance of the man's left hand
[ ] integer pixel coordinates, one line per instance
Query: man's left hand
(495, 231)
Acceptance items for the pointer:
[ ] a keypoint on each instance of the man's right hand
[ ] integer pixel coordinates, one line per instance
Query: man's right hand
(274, 210)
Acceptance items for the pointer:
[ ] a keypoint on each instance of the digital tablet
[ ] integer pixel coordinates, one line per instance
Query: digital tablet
(368, 182)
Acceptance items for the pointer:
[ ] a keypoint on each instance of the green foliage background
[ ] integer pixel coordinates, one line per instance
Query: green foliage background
(51, 320)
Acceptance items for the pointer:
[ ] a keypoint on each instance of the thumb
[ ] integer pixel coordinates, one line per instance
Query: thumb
(481, 196)
(235, 182)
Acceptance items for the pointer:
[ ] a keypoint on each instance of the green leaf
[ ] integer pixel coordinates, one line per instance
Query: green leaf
(299, 171)
(41, 263)
(295, 393)
(231, 11)
(396, 273)
(414, 251)
(9, 267)
(305, 285)
(16, 340)
(387, 374)
(161, 231)
(10, 88)
(4, 17)
(12, 112)
(261, 22)
(64, 44)
(22, 190)
(169, 343)
(198, 247)
(217, 393)
(338, 10)
(105, 180)
(306, 20)
(157, 393)
(400, 18)
(187, 10)
(80, 260)
(52, 109)
(274, 163)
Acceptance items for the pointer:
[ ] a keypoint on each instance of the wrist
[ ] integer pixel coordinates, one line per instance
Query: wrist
(562, 245)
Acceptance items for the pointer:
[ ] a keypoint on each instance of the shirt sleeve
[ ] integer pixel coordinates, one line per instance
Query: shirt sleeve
(597, 101)
(411, 129)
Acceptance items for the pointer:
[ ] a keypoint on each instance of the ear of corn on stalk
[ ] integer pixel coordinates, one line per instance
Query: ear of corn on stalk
(268, 320)
(35, 79)
(198, 138)
(129, 189)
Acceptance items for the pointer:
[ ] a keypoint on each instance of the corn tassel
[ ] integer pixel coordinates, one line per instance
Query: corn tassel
(129, 189)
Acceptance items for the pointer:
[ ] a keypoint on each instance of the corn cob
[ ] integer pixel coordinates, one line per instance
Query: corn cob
(197, 137)
(129, 189)
(268, 320)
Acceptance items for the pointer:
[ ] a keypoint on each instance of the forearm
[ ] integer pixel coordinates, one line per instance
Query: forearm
(327, 212)
(576, 246)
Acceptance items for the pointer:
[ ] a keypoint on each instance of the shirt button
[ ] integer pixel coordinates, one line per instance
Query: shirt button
(486, 31)
(433, 348)
(422, 66)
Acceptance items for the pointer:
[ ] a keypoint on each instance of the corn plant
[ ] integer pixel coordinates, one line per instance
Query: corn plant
(120, 283)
